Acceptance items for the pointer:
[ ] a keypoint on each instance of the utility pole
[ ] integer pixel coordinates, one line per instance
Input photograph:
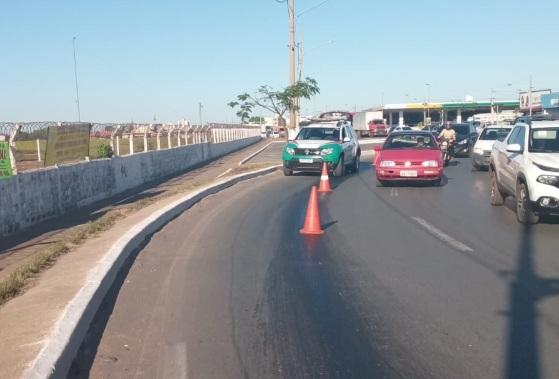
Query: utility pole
(76, 79)
(291, 10)
(200, 106)
(530, 96)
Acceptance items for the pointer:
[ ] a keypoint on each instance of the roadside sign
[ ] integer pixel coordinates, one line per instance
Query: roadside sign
(535, 102)
(68, 142)
(5, 162)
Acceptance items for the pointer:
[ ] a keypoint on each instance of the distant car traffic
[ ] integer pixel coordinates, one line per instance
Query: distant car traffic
(409, 156)
(484, 144)
(466, 136)
(526, 166)
(399, 128)
(333, 142)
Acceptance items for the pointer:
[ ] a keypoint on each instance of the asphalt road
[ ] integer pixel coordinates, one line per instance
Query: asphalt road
(407, 282)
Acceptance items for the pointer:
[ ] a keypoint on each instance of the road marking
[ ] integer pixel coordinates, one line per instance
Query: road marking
(394, 192)
(442, 235)
(175, 362)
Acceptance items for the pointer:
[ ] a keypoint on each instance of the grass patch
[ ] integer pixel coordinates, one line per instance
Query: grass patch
(14, 284)
(246, 168)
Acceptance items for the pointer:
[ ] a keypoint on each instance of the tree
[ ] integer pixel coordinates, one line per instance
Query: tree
(277, 102)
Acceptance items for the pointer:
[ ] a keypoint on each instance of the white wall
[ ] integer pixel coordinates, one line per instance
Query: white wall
(34, 196)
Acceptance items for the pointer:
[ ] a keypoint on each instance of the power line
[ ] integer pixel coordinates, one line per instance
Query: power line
(312, 8)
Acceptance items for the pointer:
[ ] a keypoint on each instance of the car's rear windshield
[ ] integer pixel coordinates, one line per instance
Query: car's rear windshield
(409, 141)
(544, 140)
(461, 128)
(493, 134)
(330, 134)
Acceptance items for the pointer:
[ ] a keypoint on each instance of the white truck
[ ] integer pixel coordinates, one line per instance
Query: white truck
(361, 121)
(525, 165)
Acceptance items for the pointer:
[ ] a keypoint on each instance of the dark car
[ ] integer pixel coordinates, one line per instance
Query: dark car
(466, 136)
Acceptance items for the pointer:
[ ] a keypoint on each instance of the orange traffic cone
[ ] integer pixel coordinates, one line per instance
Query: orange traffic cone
(324, 180)
(312, 219)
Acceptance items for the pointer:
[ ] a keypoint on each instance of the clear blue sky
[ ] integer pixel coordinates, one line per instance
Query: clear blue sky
(137, 58)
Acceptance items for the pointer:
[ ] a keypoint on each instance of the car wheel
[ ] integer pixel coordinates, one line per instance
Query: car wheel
(524, 214)
(475, 166)
(496, 196)
(355, 166)
(340, 168)
(381, 183)
(287, 172)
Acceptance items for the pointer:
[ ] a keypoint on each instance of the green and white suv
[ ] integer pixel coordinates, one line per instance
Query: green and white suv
(333, 142)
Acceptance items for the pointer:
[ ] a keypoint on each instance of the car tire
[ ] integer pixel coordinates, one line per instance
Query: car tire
(496, 196)
(355, 165)
(524, 213)
(438, 182)
(287, 172)
(475, 166)
(340, 168)
(381, 183)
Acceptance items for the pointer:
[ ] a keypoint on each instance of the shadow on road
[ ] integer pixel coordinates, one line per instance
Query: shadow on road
(526, 290)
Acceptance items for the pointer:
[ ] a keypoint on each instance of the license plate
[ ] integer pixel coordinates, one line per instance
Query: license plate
(305, 160)
(408, 174)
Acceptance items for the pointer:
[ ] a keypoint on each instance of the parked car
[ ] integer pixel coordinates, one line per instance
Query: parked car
(333, 142)
(466, 136)
(409, 156)
(484, 144)
(526, 166)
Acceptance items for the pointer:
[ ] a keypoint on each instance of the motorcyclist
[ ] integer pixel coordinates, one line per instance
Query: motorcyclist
(449, 135)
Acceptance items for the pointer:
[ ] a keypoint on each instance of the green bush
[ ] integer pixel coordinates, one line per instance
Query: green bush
(104, 150)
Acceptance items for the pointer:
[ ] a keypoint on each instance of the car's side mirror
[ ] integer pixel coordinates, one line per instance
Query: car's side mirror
(377, 148)
(514, 148)
(347, 139)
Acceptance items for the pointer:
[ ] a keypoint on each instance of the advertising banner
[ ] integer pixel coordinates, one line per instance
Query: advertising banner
(5, 162)
(67, 142)
(536, 100)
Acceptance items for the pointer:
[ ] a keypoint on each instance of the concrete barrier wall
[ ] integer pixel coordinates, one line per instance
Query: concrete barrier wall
(34, 196)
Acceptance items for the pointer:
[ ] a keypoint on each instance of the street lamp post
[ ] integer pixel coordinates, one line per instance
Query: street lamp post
(76, 79)
(428, 85)
(291, 10)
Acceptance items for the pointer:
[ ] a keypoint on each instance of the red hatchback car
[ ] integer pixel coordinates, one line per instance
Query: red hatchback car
(409, 156)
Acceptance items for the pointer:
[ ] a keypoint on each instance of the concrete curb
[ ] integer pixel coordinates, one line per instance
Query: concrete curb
(60, 347)
(254, 154)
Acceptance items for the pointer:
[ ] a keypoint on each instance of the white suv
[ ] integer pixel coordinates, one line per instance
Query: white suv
(526, 165)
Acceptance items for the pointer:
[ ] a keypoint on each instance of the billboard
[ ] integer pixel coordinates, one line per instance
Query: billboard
(5, 162)
(550, 101)
(67, 142)
(536, 100)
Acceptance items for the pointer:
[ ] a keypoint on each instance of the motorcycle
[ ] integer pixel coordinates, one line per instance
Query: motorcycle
(447, 151)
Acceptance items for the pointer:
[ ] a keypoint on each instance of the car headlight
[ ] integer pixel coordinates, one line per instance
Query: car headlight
(326, 151)
(478, 150)
(430, 164)
(463, 141)
(290, 150)
(551, 180)
(387, 164)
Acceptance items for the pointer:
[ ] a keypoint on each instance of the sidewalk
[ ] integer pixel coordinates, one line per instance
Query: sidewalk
(17, 248)
(26, 320)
